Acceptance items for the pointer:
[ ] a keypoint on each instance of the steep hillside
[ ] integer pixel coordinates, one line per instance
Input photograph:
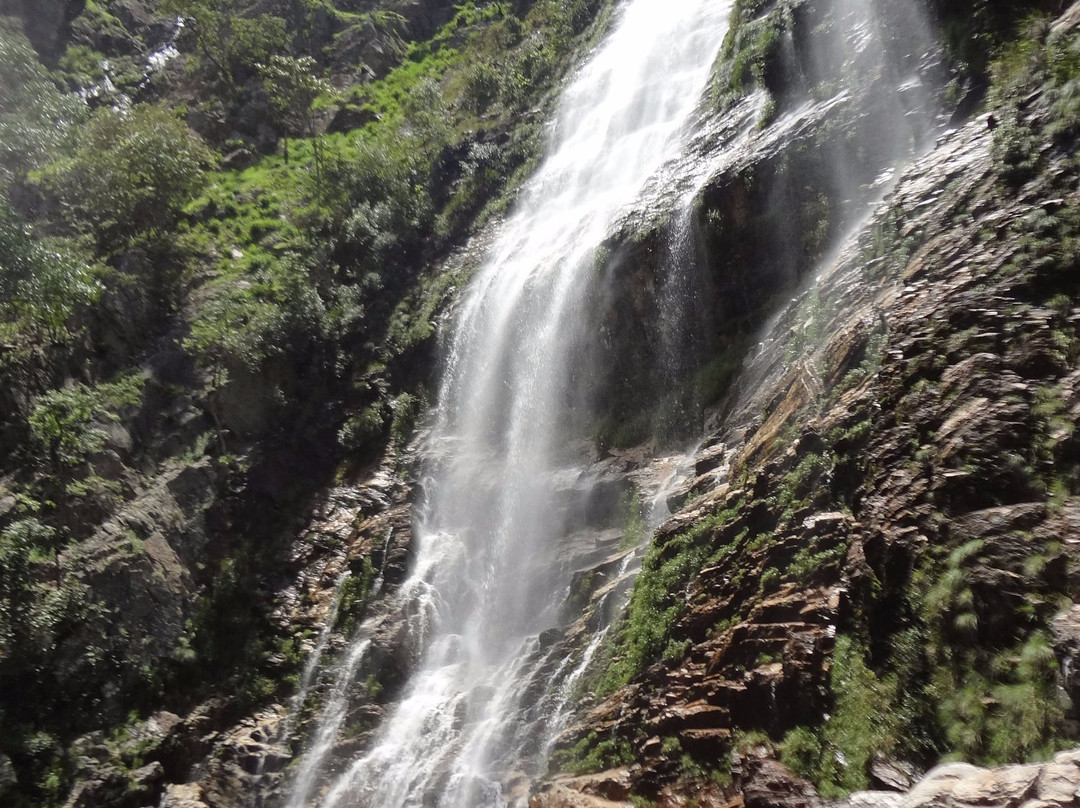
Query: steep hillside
(222, 237)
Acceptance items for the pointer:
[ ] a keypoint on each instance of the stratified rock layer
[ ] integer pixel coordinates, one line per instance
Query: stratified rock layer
(916, 404)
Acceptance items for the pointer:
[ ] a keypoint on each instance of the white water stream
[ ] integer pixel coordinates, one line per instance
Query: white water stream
(488, 578)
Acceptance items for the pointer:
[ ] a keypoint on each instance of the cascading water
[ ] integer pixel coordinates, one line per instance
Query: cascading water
(489, 570)
(503, 491)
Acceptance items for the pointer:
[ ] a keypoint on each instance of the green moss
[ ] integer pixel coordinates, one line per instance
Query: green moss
(633, 521)
(591, 754)
(752, 42)
(800, 484)
(407, 410)
(355, 591)
(836, 756)
(658, 600)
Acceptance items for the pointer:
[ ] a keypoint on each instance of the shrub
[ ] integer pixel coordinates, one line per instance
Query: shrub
(34, 114)
(67, 425)
(481, 87)
(129, 173)
(42, 283)
(363, 431)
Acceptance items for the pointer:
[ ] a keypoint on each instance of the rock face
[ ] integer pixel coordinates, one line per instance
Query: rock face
(765, 186)
(213, 757)
(45, 22)
(893, 465)
(893, 496)
(142, 561)
(960, 785)
(1055, 784)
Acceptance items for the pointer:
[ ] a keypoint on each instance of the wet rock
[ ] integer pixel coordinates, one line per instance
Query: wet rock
(140, 565)
(610, 789)
(1066, 632)
(245, 760)
(910, 369)
(770, 784)
(109, 786)
(146, 778)
(188, 795)
(889, 775)
(549, 637)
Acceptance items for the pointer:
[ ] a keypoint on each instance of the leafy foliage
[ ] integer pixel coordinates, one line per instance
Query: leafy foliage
(593, 754)
(67, 424)
(42, 283)
(293, 87)
(35, 116)
(229, 42)
(127, 252)
(129, 173)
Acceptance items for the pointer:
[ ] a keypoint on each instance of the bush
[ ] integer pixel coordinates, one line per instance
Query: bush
(363, 431)
(801, 752)
(34, 114)
(42, 284)
(229, 40)
(66, 425)
(378, 197)
(481, 87)
(243, 323)
(408, 409)
(129, 173)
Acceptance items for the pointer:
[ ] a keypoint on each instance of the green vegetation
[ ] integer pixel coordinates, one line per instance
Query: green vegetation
(43, 283)
(633, 528)
(836, 756)
(174, 289)
(659, 599)
(1038, 57)
(592, 754)
(230, 42)
(232, 259)
(128, 174)
(749, 58)
(972, 33)
(355, 592)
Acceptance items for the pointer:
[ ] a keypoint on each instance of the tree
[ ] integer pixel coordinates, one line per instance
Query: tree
(227, 42)
(35, 115)
(292, 87)
(66, 425)
(242, 325)
(129, 173)
(18, 541)
(42, 284)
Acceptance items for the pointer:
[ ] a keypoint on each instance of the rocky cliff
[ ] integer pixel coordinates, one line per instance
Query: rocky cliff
(872, 566)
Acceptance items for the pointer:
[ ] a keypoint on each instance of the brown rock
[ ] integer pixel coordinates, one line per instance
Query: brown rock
(770, 784)
(188, 795)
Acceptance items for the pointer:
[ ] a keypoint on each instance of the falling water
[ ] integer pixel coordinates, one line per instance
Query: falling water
(489, 566)
(311, 667)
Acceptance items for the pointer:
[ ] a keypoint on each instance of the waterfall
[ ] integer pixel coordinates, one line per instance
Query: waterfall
(495, 507)
(504, 490)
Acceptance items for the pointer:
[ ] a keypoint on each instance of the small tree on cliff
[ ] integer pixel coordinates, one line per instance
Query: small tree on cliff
(292, 87)
(228, 40)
